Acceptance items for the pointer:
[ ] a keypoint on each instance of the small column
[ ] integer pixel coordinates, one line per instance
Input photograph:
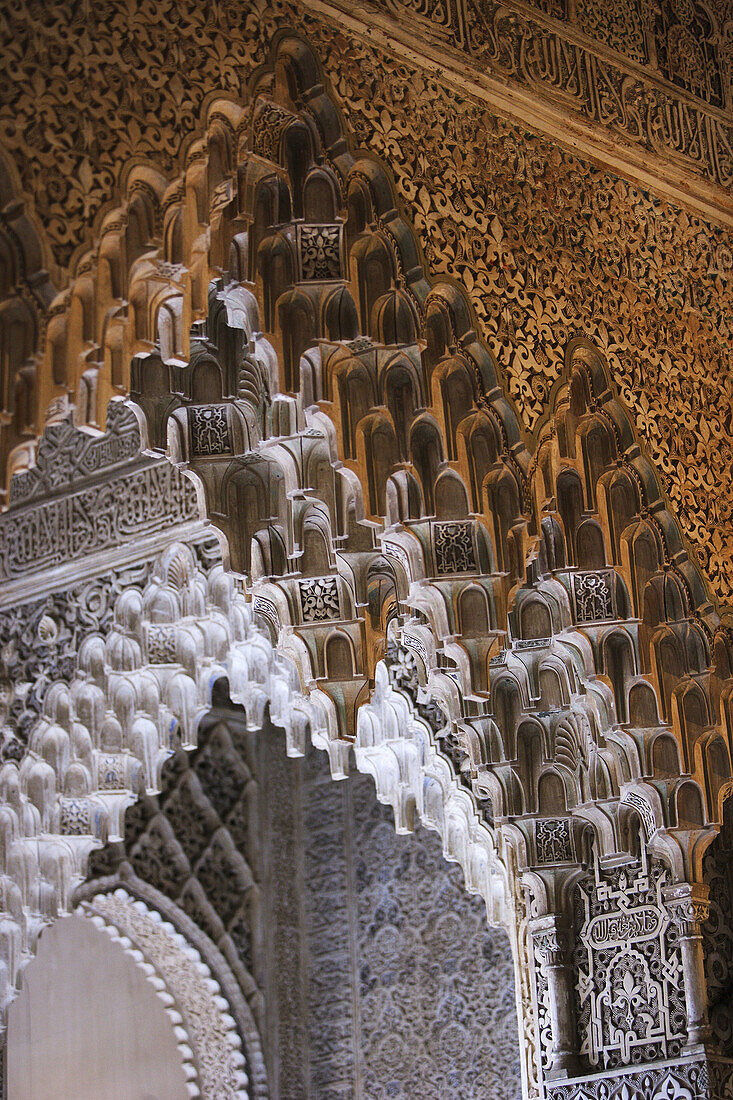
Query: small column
(551, 941)
(688, 906)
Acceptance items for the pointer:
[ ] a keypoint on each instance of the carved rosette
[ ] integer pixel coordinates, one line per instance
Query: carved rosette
(320, 252)
(319, 600)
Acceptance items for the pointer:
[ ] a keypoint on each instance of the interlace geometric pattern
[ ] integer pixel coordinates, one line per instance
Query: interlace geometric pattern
(552, 837)
(630, 998)
(593, 596)
(454, 548)
(209, 430)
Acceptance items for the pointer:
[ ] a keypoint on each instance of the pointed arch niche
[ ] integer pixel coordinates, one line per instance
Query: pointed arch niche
(120, 1021)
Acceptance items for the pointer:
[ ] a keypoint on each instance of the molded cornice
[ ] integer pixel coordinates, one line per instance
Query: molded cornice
(607, 109)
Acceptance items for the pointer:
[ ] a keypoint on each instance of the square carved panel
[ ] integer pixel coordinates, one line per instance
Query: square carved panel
(320, 253)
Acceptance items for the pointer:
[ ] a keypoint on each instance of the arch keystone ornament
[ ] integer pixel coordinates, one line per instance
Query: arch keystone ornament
(512, 640)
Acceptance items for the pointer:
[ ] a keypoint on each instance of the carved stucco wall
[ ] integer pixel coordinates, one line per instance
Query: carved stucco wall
(383, 978)
(547, 244)
(683, 42)
(544, 241)
(718, 934)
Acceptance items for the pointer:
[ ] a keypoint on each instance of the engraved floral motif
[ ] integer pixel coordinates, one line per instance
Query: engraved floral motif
(319, 600)
(269, 123)
(618, 23)
(320, 251)
(75, 816)
(686, 42)
(161, 643)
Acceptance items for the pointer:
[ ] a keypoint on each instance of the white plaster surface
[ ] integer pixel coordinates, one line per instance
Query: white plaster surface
(87, 1024)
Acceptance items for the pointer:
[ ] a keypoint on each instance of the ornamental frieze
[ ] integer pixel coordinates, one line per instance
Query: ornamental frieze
(86, 492)
(98, 518)
(66, 455)
(71, 170)
(683, 42)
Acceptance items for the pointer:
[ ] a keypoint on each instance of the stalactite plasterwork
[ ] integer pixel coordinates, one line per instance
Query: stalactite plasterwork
(506, 632)
(544, 242)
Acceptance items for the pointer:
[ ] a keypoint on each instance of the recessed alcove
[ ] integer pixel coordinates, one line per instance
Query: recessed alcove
(88, 1025)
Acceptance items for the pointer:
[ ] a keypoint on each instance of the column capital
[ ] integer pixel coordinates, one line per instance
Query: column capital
(551, 939)
(688, 905)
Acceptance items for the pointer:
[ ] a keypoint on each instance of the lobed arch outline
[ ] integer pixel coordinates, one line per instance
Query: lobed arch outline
(176, 957)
